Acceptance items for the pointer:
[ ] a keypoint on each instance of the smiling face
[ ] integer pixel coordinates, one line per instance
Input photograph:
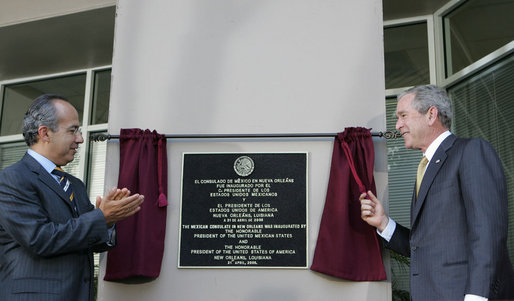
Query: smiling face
(62, 144)
(414, 126)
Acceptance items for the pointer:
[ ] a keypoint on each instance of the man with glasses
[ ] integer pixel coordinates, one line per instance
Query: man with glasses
(48, 227)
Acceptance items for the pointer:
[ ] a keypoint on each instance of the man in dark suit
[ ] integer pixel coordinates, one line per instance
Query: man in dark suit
(48, 227)
(458, 232)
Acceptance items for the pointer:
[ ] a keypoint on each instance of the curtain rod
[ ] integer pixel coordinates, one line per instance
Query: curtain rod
(387, 135)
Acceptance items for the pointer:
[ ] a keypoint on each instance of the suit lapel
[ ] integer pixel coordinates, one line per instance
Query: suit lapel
(433, 168)
(46, 179)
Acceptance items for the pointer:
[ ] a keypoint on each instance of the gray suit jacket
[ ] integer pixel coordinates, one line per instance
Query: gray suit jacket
(46, 248)
(459, 223)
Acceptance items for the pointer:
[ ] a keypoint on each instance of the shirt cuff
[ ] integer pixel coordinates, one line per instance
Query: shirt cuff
(470, 297)
(388, 231)
(112, 236)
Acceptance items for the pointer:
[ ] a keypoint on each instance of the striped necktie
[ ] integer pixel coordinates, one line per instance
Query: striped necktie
(421, 172)
(65, 184)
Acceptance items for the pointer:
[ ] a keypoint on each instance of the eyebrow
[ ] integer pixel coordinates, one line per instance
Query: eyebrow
(73, 128)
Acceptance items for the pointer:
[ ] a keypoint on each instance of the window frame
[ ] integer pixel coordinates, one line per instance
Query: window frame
(437, 62)
(440, 61)
(88, 102)
(429, 20)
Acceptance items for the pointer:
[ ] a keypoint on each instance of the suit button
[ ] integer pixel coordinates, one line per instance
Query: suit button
(413, 248)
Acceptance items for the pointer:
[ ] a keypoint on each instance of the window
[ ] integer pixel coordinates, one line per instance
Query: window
(482, 95)
(96, 169)
(89, 163)
(402, 167)
(90, 158)
(18, 97)
(10, 153)
(475, 29)
(483, 107)
(406, 55)
(101, 91)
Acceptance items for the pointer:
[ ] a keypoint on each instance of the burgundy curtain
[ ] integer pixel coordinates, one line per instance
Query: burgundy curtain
(140, 238)
(348, 247)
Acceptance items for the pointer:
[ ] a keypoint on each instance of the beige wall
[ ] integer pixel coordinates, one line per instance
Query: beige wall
(19, 11)
(246, 66)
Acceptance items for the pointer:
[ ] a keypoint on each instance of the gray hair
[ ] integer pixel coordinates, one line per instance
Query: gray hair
(41, 112)
(429, 96)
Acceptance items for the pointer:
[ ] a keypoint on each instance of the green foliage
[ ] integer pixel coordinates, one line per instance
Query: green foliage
(403, 264)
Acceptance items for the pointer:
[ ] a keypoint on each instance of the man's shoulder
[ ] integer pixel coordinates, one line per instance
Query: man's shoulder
(477, 147)
(472, 142)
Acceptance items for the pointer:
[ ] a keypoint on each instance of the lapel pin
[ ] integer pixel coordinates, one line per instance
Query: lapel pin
(437, 161)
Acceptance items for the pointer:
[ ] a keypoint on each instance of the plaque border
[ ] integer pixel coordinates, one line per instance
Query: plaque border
(247, 267)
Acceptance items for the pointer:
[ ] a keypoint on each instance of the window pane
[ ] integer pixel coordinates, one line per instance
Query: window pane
(17, 98)
(402, 167)
(101, 93)
(73, 168)
(96, 180)
(483, 107)
(406, 55)
(475, 29)
(11, 153)
(96, 172)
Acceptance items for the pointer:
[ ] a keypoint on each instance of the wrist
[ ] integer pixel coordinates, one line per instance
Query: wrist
(383, 224)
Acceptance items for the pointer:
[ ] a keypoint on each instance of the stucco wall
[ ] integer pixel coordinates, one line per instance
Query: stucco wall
(246, 66)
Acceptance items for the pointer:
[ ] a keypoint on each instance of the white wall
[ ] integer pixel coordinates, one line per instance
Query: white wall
(246, 66)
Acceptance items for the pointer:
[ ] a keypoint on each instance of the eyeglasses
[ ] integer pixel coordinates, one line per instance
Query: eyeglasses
(75, 130)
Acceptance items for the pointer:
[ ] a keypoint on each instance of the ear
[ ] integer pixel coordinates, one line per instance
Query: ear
(43, 133)
(432, 115)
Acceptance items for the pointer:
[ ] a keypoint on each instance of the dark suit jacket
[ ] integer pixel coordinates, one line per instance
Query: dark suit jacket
(459, 222)
(46, 249)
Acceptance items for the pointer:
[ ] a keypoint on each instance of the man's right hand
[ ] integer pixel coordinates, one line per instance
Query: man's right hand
(372, 211)
(118, 204)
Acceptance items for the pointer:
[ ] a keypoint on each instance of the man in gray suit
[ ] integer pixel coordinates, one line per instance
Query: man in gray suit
(48, 227)
(458, 232)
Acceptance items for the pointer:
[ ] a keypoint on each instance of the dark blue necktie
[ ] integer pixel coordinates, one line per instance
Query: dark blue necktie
(65, 185)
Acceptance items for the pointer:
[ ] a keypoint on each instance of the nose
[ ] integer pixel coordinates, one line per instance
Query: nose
(79, 138)
(399, 124)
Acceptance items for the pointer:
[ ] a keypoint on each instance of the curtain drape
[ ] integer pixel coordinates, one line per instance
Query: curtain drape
(140, 238)
(347, 247)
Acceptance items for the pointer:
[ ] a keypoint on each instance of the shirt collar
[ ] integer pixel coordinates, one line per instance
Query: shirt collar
(45, 162)
(429, 153)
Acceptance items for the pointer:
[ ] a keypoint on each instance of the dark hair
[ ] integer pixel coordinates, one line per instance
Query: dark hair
(432, 96)
(41, 112)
